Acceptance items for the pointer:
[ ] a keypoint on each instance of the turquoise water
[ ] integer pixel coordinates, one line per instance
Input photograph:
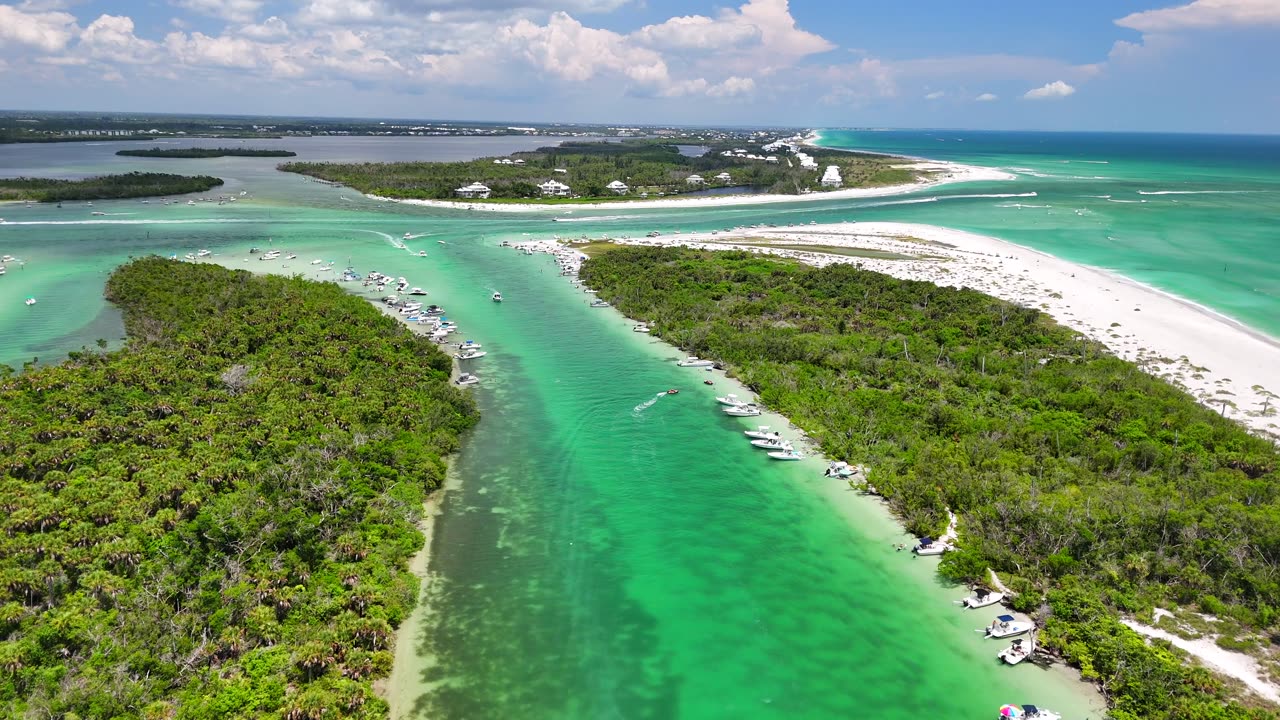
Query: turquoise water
(1194, 215)
(609, 552)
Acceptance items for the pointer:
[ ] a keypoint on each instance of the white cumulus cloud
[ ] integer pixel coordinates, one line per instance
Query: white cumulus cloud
(987, 97)
(1203, 14)
(1055, 89)
(241, 11)
(45, 31)
(935, 95)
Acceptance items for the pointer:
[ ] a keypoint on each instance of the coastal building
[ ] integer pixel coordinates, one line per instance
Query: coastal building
(772, 159)
(474, 190)
(724, 177)
(618, 187)
(806, 161)
(831, 178)
(554, 188)
(560, 171)
(695, 180)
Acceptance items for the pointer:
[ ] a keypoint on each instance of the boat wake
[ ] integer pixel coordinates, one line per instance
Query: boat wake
(600, 218)
(128, 222)
(392, 241)
(1022, 205)
(647, 403)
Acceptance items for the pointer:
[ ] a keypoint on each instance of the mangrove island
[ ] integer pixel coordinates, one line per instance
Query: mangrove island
(157, 152)
(104, 187)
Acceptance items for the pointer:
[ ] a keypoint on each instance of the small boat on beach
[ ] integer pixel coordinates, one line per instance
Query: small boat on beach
(469, 345)
(466, 379)
(981, 598)
(790, 454)
(762, 432)
(731, 400)
(743, 410)
(695, 362)
(316, 262)
(1018, 651)
(270, 255)
(840, 469)
(599, 304)
(641, 328)
(203, 254)
(929, 546)
(470, 354)
(497, 297)
(771, 444)
(1007, 626)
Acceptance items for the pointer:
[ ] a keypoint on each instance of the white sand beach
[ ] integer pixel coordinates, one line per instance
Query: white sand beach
(942, 173)
(1227, 366)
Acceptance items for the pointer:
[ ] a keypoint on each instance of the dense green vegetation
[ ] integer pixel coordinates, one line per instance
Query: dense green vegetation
(214, 522)
(104, 187)
(1093, 488)
(645, 166)
(157, 152)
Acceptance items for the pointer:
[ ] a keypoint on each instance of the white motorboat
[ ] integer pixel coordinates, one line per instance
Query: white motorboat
(1008, 626)
(417, 291)
(599, 304)
(410, 307)
(291, 256)
(8, 258)
(30, 301)
(470, 354)
(270, 255)
(191, 202)
(2, 270)
(203, 254)
(695, 362)
(840, 469)
(771, 444)
(316, 262)
(391, 300)
(497, 297)
(439, 242)
(434, 310)
(98, 213)
(640, 328)
(791, 454)
(929, 546)
(981, 598)
(466, 379)
(762, 432)
(408, 236)
(1017, 651)
(1031, 712)
(743, 410)
(469, 345)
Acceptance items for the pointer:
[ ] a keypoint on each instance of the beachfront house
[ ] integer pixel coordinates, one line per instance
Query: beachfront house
(725, 178)
(806, 161)
(474, 190)
(831, 178)
(554, 188)
(695, 180)
(772, 159)
(618, 187)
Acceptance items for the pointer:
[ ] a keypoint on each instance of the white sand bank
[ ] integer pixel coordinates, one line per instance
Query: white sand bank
(1232, 664)
(1212, 356)
(943, 173)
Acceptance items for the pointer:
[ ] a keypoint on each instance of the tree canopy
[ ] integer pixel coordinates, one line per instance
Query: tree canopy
(215, 521)
(194, 152)
(104, 187)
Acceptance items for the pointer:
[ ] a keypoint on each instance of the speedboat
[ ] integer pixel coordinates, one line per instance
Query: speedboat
(599, 303)
(434, 310)
(771, 444)
(695, 362)
(1017, 651)
(203, 254)
(441, 242)
(291, 256)
(467, 379)
(929, 546)
(1007, 626)
(408, 236)
(982, 597)
(470, 354)
(497, 297)
(640, 328)
(731, 400)
(743, 410)
(97, 212)
(762, 432)
(422, 253)
(316, 262)
(30, 301)
(417, 291)
(791, 454)
(270, 255)
(840, 468)
(469, 345)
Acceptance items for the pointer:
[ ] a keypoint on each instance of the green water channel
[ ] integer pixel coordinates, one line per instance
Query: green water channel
(604, 552)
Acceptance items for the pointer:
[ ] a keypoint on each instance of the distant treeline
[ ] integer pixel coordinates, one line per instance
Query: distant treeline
(215, 521)
(205, 152)
(1092, 487)
(588, 167)
(105, 187)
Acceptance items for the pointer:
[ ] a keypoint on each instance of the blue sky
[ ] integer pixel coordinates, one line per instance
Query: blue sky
(1204, 65)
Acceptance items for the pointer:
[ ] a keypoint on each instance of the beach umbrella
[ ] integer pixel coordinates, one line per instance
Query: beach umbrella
(1011, 711)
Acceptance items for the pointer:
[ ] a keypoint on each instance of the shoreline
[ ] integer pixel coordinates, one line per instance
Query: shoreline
(1226, 365)
(948, 173)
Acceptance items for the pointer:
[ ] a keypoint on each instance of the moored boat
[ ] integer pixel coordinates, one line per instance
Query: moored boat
(731, 400)
(1019, 650)
(1008, 626)
(929, 546)
(790, 454)
(467, 379)
(771, 444)
(762, 432)
(695, 362)
(599, 304)
(981, 598)
(641, 328)
(30, 301)
(840, 469)
(497, 297)
(470, 354)
(743, 410)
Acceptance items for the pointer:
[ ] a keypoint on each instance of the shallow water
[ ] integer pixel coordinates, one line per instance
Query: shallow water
(609, 552)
